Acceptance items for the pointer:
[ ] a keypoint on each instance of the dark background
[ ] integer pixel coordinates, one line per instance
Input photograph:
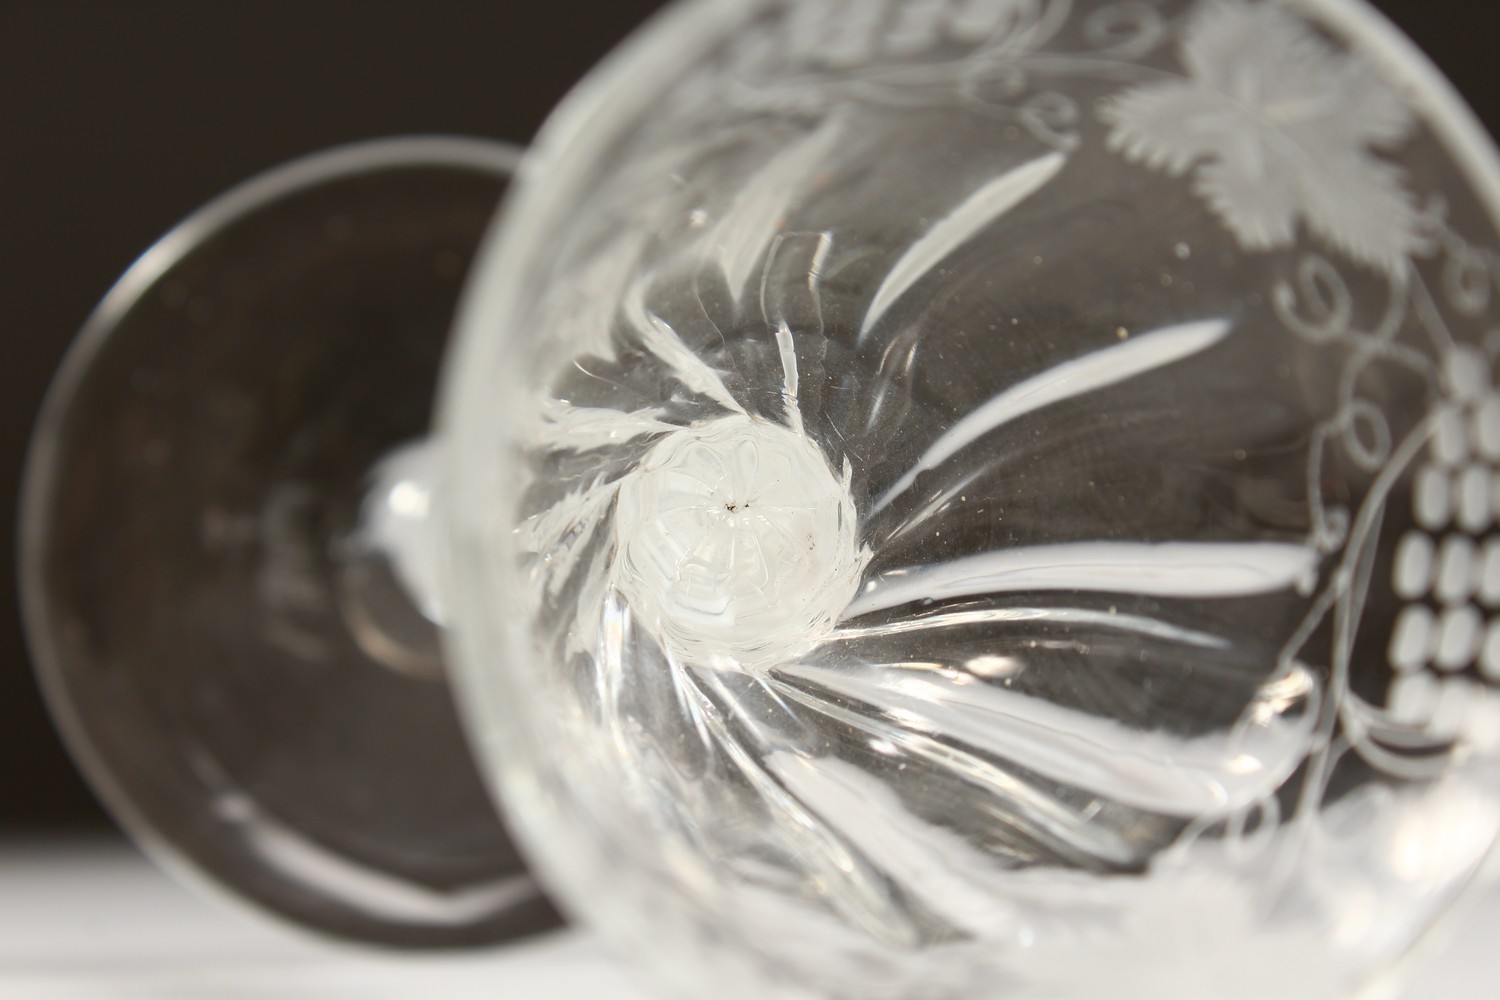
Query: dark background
(118, 117)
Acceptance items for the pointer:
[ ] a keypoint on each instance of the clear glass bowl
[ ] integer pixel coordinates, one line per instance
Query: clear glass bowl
(967, 498)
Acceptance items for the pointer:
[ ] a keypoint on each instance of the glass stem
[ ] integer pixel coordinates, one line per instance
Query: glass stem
(388, 565)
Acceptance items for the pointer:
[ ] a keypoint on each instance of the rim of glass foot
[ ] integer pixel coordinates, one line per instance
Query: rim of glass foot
(235, 666)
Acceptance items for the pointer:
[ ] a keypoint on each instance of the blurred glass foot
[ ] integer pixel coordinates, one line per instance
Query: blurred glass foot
(221, 484)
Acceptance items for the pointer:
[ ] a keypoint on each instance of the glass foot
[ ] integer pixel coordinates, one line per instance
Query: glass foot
(240, 674)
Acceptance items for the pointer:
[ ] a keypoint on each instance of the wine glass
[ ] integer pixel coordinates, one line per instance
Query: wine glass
(991, 498)
(222, 548)
(941, 498)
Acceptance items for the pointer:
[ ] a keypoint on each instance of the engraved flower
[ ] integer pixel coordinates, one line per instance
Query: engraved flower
(1278, 128)
(736, 539)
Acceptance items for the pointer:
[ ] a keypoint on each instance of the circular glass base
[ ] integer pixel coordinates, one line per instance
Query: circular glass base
(238, 672)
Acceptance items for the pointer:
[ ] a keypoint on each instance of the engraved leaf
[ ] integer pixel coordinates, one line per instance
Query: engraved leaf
(1170, 126)
(1153, 569)
(561, 533)
(1067, 380)
(1358, 204)
(657, 337)
(977, 212)
(1282, 129)
(582, 428)
(760, 210)
(1152, 770)
(1260, 207)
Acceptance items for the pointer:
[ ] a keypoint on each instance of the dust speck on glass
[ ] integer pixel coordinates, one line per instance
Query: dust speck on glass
(1010, 510)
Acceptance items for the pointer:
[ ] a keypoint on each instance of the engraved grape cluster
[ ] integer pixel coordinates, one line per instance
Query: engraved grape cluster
(849, 33)
(1447, 564)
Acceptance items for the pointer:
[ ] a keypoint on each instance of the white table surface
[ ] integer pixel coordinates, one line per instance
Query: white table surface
(95, 921)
